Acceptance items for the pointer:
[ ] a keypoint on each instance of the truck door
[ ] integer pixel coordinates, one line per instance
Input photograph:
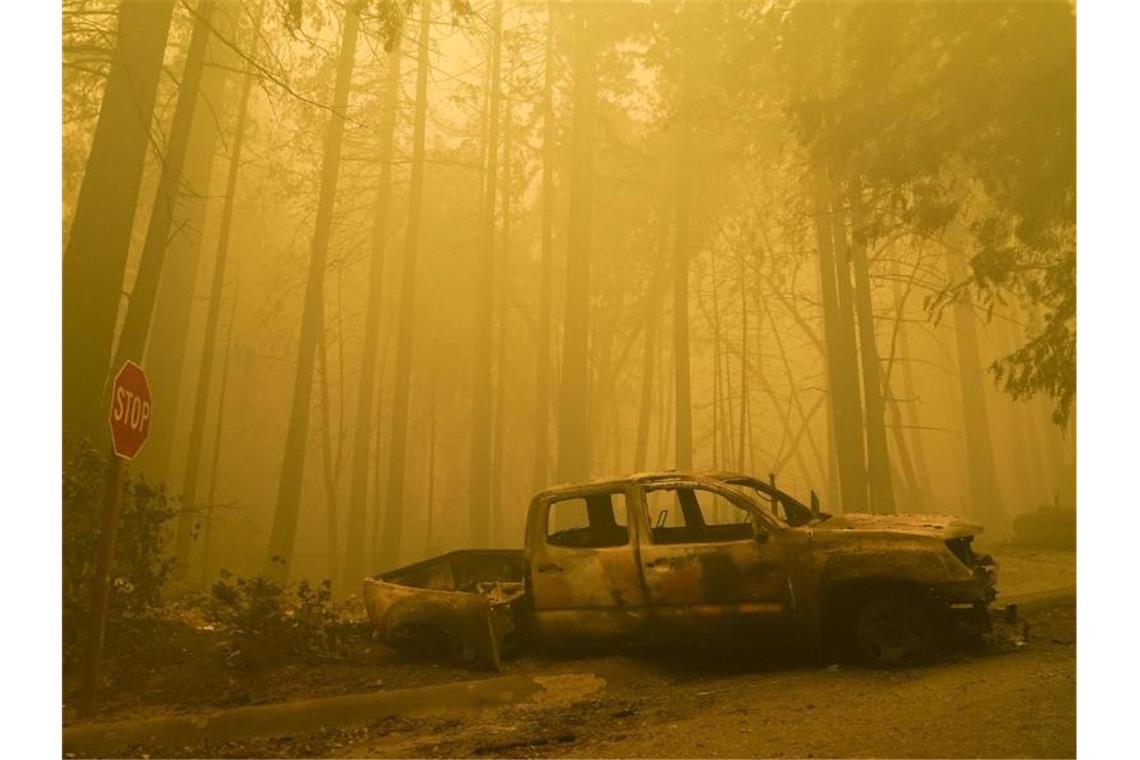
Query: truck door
(705, 555)
(582, 570)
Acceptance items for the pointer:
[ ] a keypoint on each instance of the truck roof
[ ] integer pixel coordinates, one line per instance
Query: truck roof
(642, 477)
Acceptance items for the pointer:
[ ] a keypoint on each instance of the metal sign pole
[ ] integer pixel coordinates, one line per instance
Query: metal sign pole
(129, 419)
(101, 590)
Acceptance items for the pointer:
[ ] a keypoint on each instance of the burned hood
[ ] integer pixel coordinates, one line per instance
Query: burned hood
(931, 526)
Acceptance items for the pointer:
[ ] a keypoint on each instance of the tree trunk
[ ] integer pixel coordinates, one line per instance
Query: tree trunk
(378, 449)
(96, 255)
(206, 362)
(215, 458)
(390, 538)
(283, 533)
(882, 492)
(546, 267)
(330, 463)
(167, 346)
(140, 306)
(745, 426)
(681, 378)
(357, 533)
(985, 494)
(654, 300)
(718, 394)
(665, 401)
(479, 496)
(504, 300)
(843, 379)
(429, 547)
(573, 417)
(1032, 488)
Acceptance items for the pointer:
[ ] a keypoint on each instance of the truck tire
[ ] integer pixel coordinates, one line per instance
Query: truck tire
(893, 631)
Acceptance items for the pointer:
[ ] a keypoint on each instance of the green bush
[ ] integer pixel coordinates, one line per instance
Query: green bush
(140, 569)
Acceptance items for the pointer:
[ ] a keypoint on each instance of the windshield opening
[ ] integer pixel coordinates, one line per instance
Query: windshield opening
(780, 506)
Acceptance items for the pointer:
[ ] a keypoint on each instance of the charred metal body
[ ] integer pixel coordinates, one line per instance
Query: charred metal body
(656, 554)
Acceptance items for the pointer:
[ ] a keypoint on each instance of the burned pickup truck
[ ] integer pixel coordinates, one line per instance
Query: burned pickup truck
(656, 554)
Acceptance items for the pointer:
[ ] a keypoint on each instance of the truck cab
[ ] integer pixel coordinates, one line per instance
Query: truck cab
(625, 557)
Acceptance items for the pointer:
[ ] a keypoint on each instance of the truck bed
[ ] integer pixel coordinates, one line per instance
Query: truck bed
(465, 602)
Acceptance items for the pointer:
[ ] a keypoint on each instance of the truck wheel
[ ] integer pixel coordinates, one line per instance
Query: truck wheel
(893, 632)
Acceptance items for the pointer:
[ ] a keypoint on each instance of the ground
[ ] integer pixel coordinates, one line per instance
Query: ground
(1006, 700)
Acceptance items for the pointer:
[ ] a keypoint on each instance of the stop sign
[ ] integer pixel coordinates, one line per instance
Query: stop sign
(130, 410)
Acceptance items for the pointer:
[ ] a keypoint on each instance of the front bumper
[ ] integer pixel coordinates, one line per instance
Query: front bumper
(967, 603)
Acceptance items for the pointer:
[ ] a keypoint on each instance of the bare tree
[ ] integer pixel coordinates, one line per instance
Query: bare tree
(878, 461)
(362, 437)
(839, 338)
(209, 339)
(573, 419)
(546, 267)
(479, 495)
(394, 506)
(284, 530)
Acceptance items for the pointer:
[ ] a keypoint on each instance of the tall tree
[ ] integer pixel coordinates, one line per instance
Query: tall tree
(546, 267)
(213, 313)
(573, 420)
(216, 455)
(744, 447)
(502, 291)
(985, 494)
(96, 255)
(882, 495)
(166, 348)
(283, 532)
(681, 379)
(843, 377)
(392, 534)
(357, 535)
(654, 301)
(479, 493)
(331, 462)
(140, 306)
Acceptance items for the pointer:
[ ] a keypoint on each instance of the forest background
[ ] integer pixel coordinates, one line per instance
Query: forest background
(392, 267)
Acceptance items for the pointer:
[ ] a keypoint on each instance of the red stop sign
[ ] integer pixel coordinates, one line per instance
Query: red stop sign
(130, 410)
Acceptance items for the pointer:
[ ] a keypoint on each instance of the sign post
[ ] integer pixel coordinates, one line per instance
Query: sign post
(130, 424)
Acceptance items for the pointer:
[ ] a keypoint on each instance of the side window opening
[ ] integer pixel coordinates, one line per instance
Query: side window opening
(590, 522)
(695, 515)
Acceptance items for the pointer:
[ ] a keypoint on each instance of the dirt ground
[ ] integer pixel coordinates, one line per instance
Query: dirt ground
(1005, 701)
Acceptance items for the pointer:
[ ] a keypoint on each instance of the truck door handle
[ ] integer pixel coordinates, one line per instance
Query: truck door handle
(550, 567)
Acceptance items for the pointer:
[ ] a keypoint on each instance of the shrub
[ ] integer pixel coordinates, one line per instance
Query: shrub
(140, 566)
(266, 623)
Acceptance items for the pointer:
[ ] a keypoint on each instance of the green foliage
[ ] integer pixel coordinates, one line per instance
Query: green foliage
(140, 567)
(957, 111)
(266, 623)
